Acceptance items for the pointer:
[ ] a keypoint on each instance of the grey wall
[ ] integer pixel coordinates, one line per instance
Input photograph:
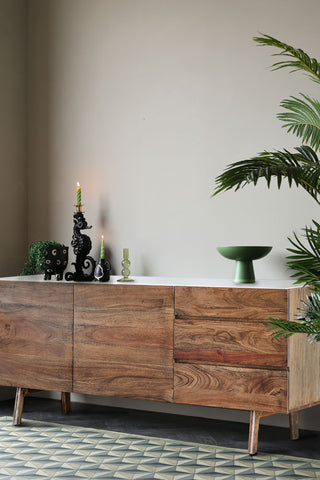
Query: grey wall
(13, 192)
(145, 102)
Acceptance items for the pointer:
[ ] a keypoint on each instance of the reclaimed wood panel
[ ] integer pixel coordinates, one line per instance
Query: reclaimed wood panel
(124, 341)
(36, 335)
(231, 387)
(147, 382)
(239, 342)
(304, 361)
(233, 303)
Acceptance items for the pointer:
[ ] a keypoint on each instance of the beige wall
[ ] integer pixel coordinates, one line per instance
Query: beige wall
(38, 118)
(13, 194)
(145, 102)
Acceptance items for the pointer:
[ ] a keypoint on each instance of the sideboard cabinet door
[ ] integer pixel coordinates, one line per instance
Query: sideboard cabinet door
(124, 341)
(36, 335)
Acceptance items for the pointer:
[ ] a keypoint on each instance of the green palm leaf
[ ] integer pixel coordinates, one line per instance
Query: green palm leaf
(304, 260)
(286, 328)
(301, 168)
(297, 58)
(308, 320)
(302, 119)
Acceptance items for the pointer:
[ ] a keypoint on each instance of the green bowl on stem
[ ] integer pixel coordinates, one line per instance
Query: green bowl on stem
(244, 256)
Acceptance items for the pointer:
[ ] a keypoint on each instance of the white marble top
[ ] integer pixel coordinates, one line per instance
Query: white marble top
(169, 281)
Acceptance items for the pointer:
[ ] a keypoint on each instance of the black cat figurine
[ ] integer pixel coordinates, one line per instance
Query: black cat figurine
(56, 261)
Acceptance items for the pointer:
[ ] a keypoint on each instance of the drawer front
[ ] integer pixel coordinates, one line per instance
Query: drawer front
(230, 387)
(240, 343)
(233, 303)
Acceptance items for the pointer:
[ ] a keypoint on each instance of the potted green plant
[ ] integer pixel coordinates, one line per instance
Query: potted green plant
(301, 116)
(36, 260)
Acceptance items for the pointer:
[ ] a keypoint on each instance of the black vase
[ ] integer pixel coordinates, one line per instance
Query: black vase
(102, 270)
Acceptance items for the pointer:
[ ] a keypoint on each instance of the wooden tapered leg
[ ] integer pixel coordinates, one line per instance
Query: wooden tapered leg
(18, 405)
(65, 400)
(294, 425)
(254, 432)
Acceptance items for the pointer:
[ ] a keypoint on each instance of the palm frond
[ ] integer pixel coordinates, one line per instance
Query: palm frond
(308, 320)
(297, 58)
(304, 260)
(301, 168)
(302, 119)
(286, 328)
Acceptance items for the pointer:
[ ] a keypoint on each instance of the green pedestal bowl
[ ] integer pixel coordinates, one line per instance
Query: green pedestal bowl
(244, 255)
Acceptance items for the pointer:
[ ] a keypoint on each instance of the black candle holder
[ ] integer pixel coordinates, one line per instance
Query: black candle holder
(82, 245)
(102, 270)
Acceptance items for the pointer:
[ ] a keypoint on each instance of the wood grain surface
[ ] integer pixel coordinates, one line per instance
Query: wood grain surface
(36, 335)
(147, 382)
(232, 387)
(243, 343)
(126, 338)
(304, 361)
(124, 341)
(235, 303)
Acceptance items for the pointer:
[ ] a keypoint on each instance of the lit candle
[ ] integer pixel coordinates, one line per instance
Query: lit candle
(102, 247)
(78, 194)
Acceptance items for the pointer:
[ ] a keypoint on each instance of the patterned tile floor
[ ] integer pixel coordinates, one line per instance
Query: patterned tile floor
(38, 450)
(167, 425)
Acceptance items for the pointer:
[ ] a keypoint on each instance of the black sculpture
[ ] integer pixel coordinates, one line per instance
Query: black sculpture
(81, 244)
(56, 261)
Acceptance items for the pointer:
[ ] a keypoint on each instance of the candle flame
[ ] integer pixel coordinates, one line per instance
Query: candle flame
(78, 184)
(102, 237)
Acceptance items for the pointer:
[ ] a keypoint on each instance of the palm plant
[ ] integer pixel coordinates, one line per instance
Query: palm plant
(301, 168)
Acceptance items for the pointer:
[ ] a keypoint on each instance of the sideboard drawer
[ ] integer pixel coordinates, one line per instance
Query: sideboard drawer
(221, 386)
(246, 303)
(243, 343)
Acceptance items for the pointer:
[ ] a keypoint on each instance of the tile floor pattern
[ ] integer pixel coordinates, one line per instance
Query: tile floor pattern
(39, 450)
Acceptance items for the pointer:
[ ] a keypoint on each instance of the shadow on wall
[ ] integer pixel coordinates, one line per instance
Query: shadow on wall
(110, 258)
(6, 393)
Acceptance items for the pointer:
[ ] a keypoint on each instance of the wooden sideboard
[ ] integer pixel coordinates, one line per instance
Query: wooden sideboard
(187, 341)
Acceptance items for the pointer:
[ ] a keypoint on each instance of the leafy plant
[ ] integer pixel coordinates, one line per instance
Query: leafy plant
(302, 118)
(35, 262)
(305, 260)
(301, 168)
(309, 320)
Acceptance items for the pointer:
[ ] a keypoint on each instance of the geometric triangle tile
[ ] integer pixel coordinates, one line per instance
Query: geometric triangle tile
(39, 450)
(295, 477)
(304, 466)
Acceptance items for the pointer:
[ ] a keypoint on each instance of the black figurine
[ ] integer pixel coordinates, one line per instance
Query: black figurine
(56, 260)
(81, 244)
